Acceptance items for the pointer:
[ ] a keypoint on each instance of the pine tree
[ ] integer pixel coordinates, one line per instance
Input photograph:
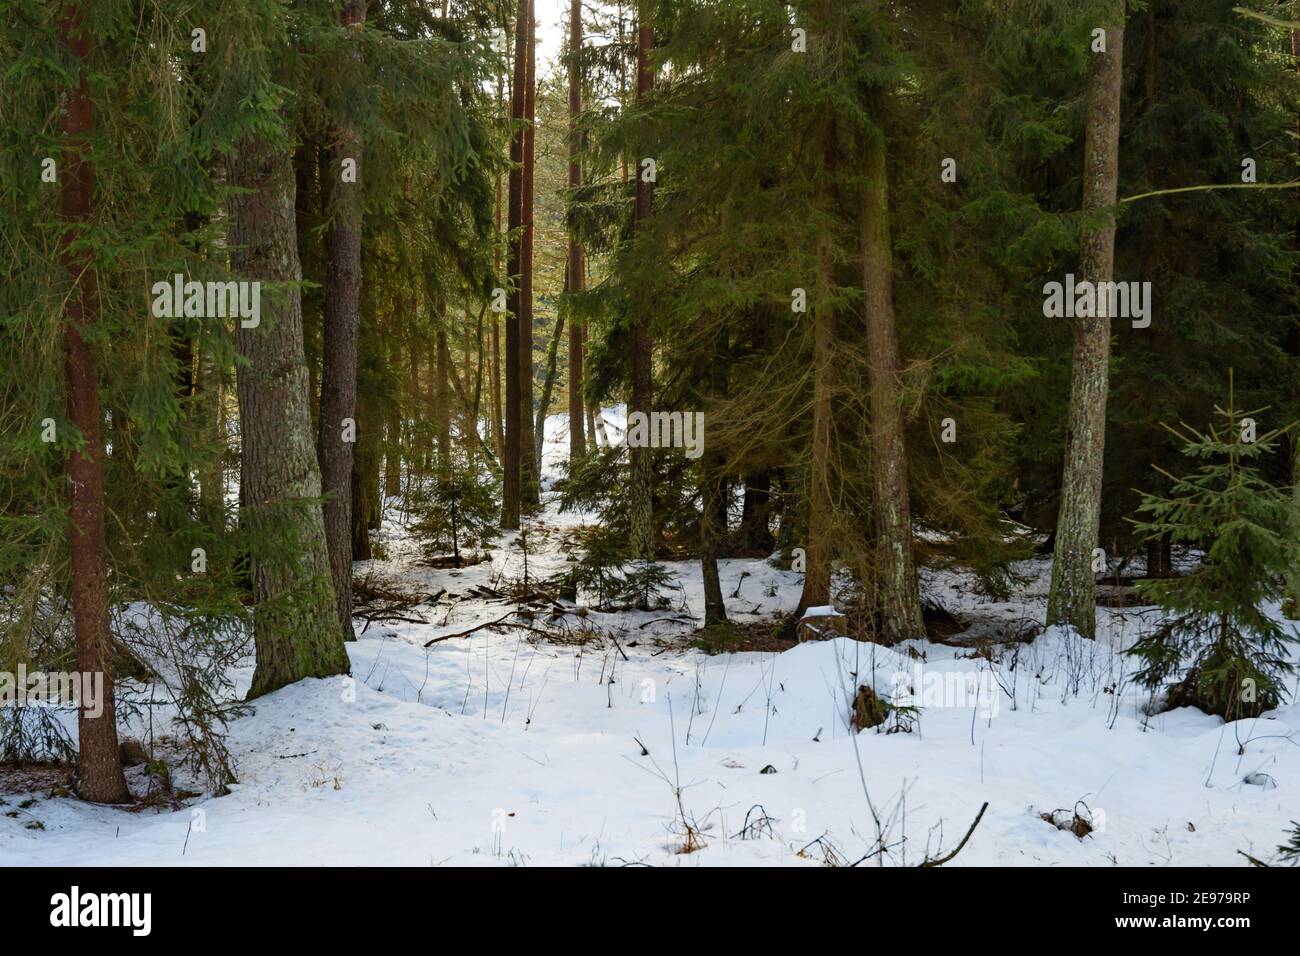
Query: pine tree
(575, 275)
(529, 480)
(99, 777)
(1217, 628)
(512, 462)
(640, 489)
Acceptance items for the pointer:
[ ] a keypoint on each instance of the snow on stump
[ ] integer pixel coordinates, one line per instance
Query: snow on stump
(821, 624)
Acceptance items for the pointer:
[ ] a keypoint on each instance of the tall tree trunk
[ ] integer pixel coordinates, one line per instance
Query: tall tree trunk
(640, 489)
(817, 551)
(512, 460)
(494, 364)
(713, 499)
(899, 596)
(494, 382)
(528, 478)
(1073, 595)
(296, 623)
(340, 330)
(1291, 598)
(393, 430)
(576, 274)
(548, 389)
(99, 770)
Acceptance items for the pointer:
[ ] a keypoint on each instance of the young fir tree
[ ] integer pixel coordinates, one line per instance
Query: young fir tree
(460, 508)
(1217, 627)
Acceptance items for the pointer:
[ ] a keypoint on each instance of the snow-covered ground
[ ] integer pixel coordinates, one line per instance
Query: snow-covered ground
(501, 748)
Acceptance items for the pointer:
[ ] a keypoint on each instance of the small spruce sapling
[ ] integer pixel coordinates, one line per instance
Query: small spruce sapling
(1233, 650)
(459, 508)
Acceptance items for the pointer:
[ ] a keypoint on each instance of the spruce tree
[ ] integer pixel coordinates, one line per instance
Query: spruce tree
(100, 777)
(1218, 627)
(296, 615)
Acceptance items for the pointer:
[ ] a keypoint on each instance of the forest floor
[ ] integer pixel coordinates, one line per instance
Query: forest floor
(620, 743)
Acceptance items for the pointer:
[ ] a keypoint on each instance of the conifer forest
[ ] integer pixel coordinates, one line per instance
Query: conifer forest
(674, 433)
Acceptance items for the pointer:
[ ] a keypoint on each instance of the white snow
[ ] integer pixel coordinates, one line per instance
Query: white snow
(503, 749)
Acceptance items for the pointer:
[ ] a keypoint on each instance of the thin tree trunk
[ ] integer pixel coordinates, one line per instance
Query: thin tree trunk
(494, 364)
(394, 429)
(576, 273)
(713, 500)
(640, 490)
(512, 459)
(442, 402)
(1073, 595)
(494, 382)
(592, 443)
(528, 479)
(817, 552)
(548, 388)
(99, 769)
(366, 454)
(340, 330)
(899, 596)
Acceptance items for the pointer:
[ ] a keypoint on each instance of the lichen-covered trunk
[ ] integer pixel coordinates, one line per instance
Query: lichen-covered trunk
(1073, 595)
(99, 770)
(340, 330)
(640, 487)
(296, 624)
(898, 594)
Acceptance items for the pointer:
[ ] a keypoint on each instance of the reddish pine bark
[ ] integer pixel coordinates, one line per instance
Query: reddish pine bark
(528, 478)
(99, 769)
(511, 463)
